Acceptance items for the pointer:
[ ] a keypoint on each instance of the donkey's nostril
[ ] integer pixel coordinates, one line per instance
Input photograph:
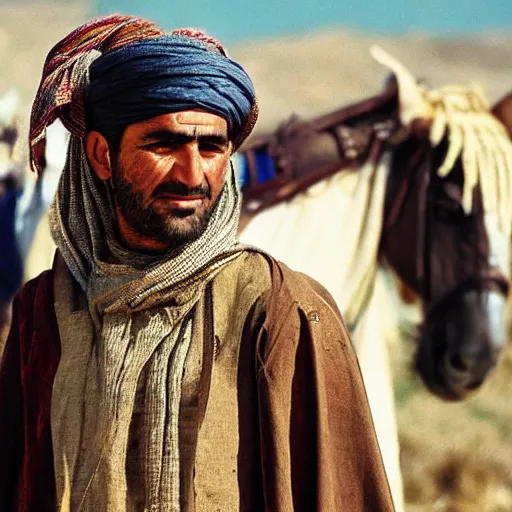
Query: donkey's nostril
(457, 363)
(475, 384)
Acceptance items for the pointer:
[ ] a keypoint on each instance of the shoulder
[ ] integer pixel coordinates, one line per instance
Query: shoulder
(255, 268)
(33, 307)
(289, 286)
(281, 282)
(296, 302)
(247, 274)
(37, 289)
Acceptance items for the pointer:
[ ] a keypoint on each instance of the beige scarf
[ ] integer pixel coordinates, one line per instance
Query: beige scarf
(115, 327)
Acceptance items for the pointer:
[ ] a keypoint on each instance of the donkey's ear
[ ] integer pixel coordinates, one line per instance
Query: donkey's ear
(503, 111)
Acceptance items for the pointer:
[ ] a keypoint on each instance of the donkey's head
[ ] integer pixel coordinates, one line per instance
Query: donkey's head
(448, 223)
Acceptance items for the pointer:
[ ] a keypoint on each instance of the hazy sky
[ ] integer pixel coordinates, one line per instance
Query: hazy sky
(237, 20)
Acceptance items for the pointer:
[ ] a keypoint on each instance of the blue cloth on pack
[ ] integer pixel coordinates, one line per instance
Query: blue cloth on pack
(265, 168)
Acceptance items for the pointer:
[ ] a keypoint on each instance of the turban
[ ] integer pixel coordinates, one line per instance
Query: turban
(166, 74)
(117, 70)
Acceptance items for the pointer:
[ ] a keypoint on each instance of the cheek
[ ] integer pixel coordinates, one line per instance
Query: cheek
(216, 173)
(146, 172)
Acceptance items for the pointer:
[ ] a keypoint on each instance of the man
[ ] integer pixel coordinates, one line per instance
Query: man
(160, 365)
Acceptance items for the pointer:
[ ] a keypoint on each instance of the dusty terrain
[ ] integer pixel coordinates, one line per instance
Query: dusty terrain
(307, 74)
(456, 457)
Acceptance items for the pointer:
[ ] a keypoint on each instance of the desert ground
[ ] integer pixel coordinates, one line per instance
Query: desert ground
(456, 457)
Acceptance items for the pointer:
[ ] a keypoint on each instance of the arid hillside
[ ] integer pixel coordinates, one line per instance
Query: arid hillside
(307, 74)
(317, 72)
(27, 32)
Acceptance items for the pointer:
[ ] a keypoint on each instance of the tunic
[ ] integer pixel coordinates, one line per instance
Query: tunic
(274, 415)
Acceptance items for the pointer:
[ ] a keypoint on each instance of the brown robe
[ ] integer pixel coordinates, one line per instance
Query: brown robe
(281, 419)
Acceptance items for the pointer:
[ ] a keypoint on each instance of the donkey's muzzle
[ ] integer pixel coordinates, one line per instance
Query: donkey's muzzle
(462, 343)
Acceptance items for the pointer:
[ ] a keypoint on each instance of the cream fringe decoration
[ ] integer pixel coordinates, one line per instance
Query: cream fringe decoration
(483, 142)
(473, 134)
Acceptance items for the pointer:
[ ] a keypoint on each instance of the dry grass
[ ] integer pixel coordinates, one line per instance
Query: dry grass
(455, 457)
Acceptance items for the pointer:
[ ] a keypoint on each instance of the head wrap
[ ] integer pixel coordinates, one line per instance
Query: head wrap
(167, 74)
(139, 322)
(117, 70)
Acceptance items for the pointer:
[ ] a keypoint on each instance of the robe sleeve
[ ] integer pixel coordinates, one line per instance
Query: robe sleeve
(30, 359)
(11, 415)
(319, 447)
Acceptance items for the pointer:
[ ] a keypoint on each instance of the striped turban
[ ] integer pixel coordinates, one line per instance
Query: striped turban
(118, 70)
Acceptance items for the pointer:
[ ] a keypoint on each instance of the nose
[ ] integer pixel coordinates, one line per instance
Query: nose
(460, 363)
(471, 366)
(465, 372)
(188, 166)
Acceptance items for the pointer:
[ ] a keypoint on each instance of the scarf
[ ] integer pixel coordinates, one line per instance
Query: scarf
(133, 332)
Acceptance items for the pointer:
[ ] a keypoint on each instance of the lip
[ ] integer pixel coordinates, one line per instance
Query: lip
(180, 202)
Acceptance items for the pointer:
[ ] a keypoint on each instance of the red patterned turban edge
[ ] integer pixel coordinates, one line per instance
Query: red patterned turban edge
(61, 92)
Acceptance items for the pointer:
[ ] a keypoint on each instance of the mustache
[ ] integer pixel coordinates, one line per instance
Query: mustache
(180, 189)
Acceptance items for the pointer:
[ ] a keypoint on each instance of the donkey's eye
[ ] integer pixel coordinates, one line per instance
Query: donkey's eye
(448, 210)
(447, 202)
(449, 206)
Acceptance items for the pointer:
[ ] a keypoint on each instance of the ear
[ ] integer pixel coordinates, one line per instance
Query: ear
(503, 111)
(98, 155)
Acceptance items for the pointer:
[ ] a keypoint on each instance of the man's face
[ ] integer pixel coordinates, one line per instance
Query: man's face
(168, 174)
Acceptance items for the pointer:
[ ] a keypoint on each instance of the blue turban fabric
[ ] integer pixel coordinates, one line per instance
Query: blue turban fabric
(163, 75)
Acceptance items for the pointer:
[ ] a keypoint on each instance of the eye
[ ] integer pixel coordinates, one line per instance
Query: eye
(448, 209)
(211, 147)
(159, 146)
(447, 202)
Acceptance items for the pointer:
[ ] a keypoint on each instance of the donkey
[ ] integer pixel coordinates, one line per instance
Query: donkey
(420, 179)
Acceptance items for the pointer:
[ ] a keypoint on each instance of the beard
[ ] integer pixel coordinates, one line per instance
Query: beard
(175, 229)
